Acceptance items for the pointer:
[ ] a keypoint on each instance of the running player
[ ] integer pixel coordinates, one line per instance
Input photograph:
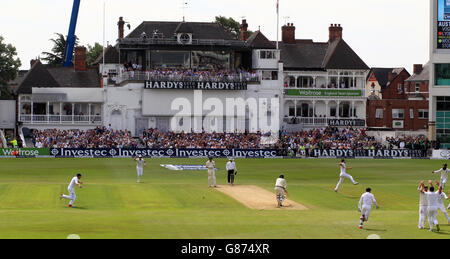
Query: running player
(344, 175)
(444, 175)
(71, 188)
(140, 167)
(365, 206)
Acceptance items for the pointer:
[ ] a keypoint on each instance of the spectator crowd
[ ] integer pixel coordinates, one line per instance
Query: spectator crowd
(303, 142)
(213, 75)
(101, 137)
(153, 138)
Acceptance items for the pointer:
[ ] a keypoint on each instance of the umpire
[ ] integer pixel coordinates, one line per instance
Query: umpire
(231, 168)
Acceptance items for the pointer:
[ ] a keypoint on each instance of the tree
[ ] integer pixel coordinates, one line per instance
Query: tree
(232, 25)
(9, 66)
(56, 56)
(93, 52)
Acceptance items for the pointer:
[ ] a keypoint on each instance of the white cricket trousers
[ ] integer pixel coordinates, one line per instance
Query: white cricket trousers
(423, 213)
(140, 172)
(442, 208)
(443, 182)
(341, 180)
(72, 197)
(432, 216)
(366, 209)
(211, 176)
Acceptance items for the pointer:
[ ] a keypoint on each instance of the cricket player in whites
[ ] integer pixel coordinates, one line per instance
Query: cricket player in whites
(211, 166)
(433, 204)
(423, 205)
(280, 190)
(441, 204)
(140, 167)
(365, 206)
(344, 175)
(71, 188)
(444, 175)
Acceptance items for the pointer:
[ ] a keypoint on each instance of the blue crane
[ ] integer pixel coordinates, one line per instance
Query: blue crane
(71, 38)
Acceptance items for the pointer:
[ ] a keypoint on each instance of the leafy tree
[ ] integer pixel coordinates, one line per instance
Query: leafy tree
(9, 66)
(56, 56)
(93, 52)
(232, 25)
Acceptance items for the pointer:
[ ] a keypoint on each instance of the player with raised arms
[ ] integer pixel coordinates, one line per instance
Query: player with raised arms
(444, 175)
(140, 167)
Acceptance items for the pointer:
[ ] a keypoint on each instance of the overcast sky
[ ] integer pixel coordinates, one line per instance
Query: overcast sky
(384, 33)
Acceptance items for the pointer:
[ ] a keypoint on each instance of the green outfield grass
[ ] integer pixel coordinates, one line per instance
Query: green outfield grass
(173, 204)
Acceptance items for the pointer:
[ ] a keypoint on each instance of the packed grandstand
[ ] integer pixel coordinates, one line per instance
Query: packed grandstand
(288, 143)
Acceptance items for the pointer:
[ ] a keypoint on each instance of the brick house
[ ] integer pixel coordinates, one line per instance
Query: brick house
(401, 102)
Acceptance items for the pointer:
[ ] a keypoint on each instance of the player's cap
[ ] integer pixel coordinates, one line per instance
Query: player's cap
(230, 158)
(140, 156)
(282, 176)
(78, 175)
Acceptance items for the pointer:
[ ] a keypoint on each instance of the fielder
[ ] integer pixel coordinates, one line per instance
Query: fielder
(365, 206)
(71, 188)
(140, 167)
(423, 205)
(433, 204)
(232, 171)
(444, 175)
(211, 165)
(344, 175)
(441, 207)
(280, 190)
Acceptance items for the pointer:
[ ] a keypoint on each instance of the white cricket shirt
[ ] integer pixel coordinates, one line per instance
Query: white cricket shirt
(73, 183)
(281, 182)
(433, 199)
(231, 166)
(140, 163)
(343, 168)
(210, 165)
(367, 199)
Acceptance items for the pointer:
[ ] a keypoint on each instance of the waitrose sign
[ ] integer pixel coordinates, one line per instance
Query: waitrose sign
(324, 92)
(25, 152)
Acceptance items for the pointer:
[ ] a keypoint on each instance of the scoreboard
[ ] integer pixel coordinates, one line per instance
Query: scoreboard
(443, 24)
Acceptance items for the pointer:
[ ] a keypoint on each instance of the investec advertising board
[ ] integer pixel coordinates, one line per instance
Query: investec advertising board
(171, 152)
(324, 92)
(443, 24)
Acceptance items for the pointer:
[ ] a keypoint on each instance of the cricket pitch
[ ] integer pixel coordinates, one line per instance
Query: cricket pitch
(255, 197)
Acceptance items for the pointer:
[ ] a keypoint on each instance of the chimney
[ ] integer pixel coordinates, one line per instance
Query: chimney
(33, 61)
(80, 59)
(244, 32)
(418, 68)
(121, 25)
(391, 76)
(335, 32)
(288, 33)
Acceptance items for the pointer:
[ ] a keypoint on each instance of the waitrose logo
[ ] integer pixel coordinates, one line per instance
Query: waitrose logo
(25, 152)
(324, 92)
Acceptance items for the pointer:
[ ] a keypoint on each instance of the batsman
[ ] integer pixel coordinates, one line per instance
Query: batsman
(280, 190)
